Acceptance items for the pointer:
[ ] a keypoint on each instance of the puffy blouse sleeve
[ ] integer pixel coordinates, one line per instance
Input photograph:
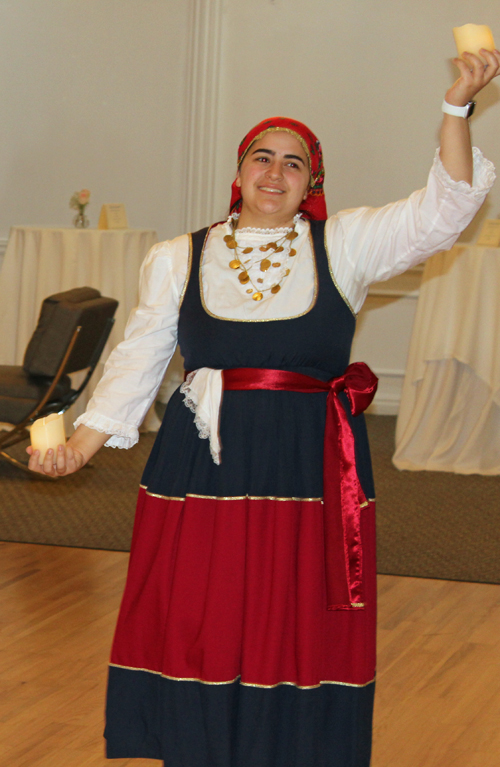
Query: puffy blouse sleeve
(135, 368)
(369, 245)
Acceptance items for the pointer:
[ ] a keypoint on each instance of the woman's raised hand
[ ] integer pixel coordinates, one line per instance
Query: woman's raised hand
(474, 76)
(79, 449)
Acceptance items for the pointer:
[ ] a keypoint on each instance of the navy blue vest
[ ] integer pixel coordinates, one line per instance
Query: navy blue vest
(317, 343)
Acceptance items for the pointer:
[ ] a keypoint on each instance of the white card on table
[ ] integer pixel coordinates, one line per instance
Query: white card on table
(113, 216)
(490, 233)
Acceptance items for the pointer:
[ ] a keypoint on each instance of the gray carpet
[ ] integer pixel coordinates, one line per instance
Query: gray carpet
(430, 524)
(93, 508)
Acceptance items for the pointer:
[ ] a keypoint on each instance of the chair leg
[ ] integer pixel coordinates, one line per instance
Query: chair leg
(12, 437)
(24, 467)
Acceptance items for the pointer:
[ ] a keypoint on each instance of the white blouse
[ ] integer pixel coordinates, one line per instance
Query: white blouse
(364, 245)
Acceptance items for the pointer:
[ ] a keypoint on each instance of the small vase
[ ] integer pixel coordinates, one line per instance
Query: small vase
(80, 220)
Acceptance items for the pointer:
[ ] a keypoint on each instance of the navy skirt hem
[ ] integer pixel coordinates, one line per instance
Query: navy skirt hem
(279, 727)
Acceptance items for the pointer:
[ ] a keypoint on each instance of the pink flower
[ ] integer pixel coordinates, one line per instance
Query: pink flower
(83, 197)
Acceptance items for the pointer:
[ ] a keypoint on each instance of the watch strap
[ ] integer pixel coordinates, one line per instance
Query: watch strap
(465, 111)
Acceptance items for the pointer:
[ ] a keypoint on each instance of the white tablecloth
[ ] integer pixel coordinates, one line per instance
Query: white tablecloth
(41, 261)
(449, 419)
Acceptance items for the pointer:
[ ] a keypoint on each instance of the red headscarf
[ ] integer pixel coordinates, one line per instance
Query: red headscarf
(314, 206)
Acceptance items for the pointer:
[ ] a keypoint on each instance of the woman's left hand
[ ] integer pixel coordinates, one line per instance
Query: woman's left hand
(474, 75)
(456, 150)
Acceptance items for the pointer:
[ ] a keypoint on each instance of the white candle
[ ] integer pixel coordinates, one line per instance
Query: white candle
(473, 37)
(48, 433)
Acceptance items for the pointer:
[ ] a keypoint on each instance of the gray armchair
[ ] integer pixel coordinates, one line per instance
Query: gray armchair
(72, 330)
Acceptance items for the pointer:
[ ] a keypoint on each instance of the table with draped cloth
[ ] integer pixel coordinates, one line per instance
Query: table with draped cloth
(449, 419)
(41, 261)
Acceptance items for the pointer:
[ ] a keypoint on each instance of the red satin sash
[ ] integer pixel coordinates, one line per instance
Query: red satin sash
(342, 493)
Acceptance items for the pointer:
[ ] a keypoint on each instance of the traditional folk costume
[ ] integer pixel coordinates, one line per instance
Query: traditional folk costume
(246, 634)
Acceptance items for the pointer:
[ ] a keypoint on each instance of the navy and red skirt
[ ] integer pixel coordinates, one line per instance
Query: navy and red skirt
(225, 654)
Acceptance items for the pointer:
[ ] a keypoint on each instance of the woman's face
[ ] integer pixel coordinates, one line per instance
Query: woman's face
(274, 179)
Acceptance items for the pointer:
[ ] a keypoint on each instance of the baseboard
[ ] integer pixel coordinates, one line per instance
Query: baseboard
(388, 397)
(384, 406)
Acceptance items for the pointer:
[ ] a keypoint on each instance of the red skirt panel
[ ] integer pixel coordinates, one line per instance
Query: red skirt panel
(221, 589)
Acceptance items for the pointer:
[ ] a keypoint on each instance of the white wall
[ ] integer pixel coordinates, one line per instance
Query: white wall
(383, 332)
(92, 95)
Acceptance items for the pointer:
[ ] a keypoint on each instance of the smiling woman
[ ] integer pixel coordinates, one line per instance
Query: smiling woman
(246, 634)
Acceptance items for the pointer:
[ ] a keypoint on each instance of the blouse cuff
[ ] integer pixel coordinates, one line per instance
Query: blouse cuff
(122, 435)
(482, 179)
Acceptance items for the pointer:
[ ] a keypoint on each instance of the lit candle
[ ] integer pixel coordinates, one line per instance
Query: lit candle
(473, 37)
(48, 433)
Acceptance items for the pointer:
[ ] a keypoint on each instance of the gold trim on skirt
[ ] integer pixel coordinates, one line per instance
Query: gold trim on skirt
(243, 684)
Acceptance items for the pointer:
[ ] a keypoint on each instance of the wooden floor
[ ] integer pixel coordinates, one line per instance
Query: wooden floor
(438, 698)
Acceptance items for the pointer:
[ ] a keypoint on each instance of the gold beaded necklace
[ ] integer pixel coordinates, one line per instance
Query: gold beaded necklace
(276, 247)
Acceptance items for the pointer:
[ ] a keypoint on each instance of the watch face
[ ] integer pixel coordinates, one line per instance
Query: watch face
(470, 108)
